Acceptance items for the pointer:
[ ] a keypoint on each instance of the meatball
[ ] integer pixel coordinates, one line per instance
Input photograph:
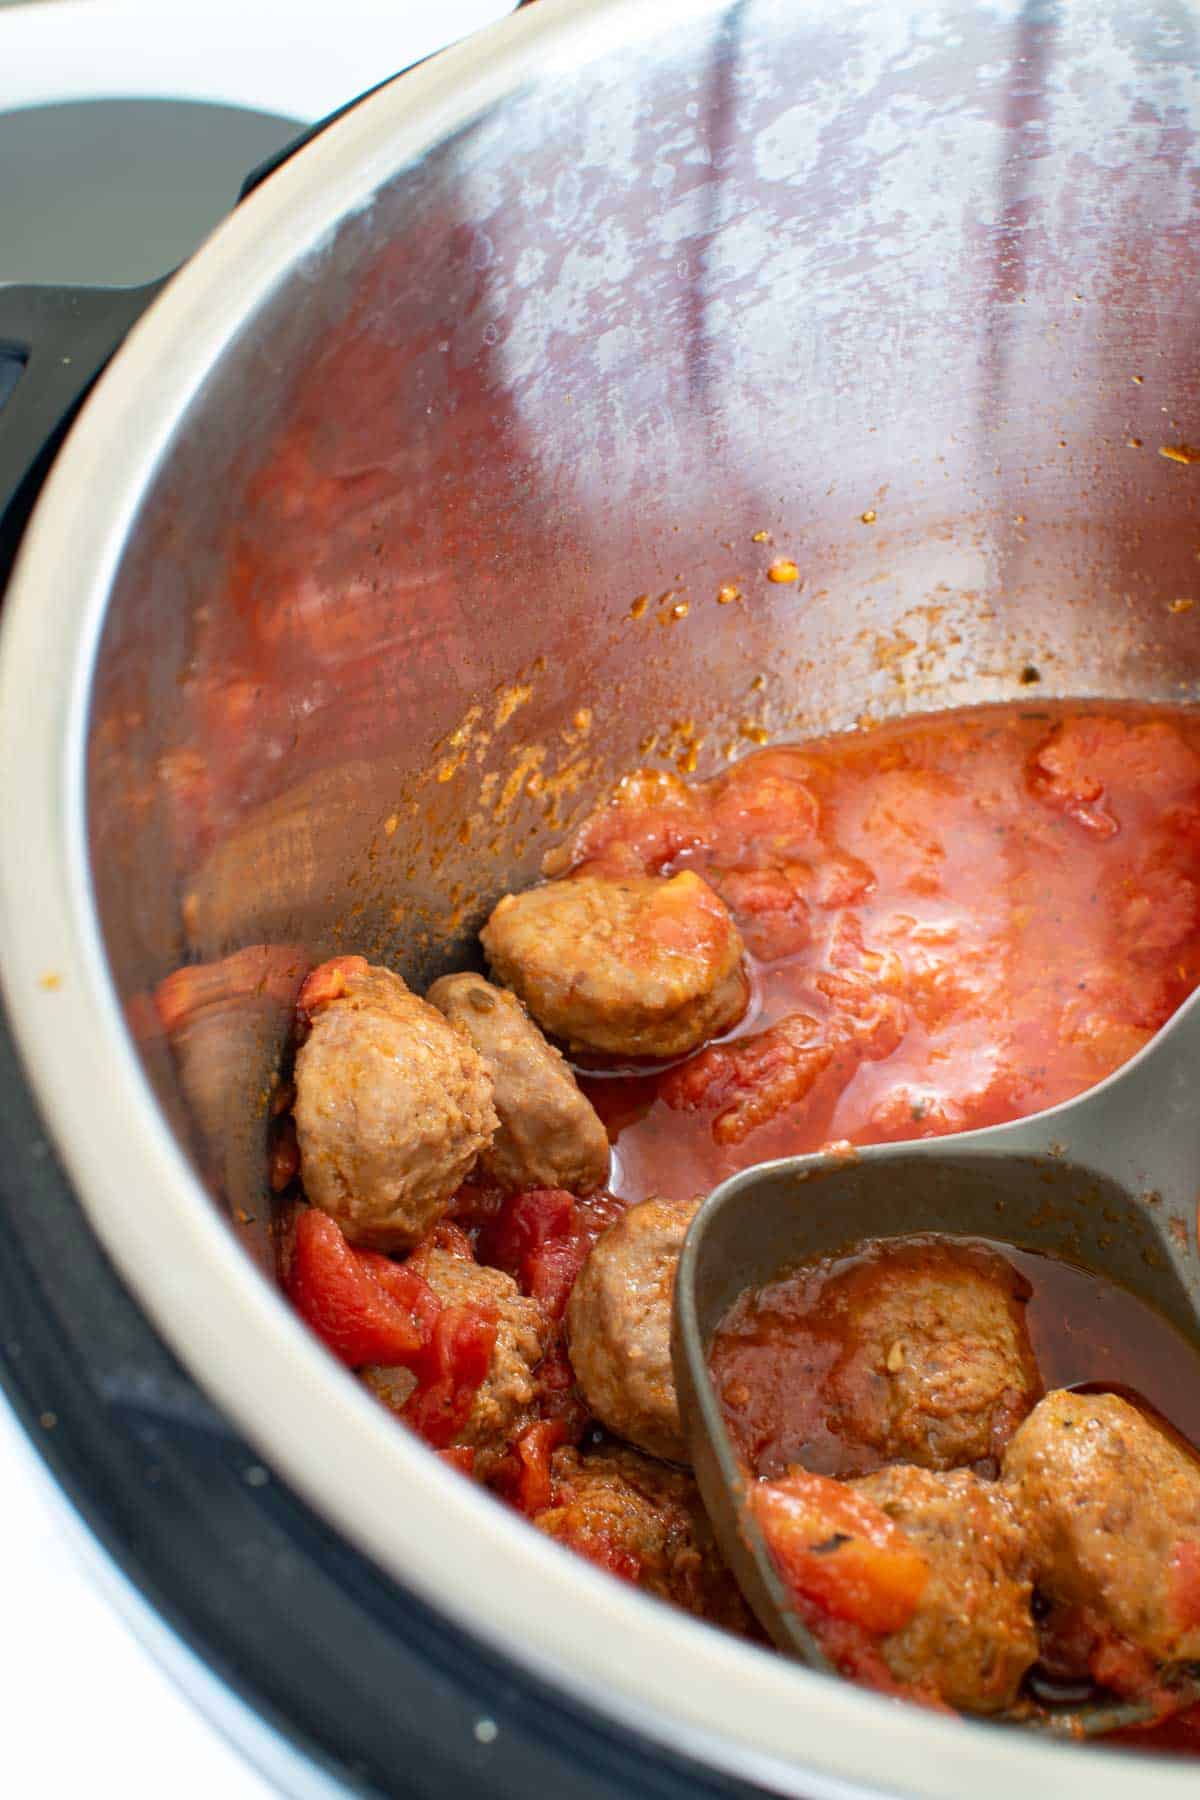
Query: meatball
(972, 1637)
(937, 1368)
(507, 1400)
(392, 1106)
(644, 1521)
(619, 1326)
(550, 1136)
(1112, 1509)
(637, 967)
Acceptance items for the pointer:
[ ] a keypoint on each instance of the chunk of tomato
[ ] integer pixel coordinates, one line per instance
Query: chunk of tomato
(525, 1479)
(328, 982)
(363, 1307)
(837, 1549)
(450, 1373)
(542, 1238)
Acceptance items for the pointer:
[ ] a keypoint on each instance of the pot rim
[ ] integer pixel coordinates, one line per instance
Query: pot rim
(740, 1709)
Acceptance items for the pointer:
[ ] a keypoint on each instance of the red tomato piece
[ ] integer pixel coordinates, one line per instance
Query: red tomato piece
(1160, 915)
(525, 1479)
(552, 1270)
(524, 1225)
(838, 1550)
(450, 1373)
(842, 880)
(856, 1654)
(363, 1307)
(329, 981)
(763, 811)
(1126, 1669)
(273, 971)
(532, 1239)
(542, 1237)
(752, 1080)
(770, 908)
(1088, 762)
(559, 1398)
(460, 1457)
(652, 818)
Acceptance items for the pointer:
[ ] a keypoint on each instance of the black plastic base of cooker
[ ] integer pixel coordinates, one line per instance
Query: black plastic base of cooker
(358, 1675)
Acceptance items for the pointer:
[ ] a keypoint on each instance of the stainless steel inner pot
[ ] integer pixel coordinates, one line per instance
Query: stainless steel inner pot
(569, 318)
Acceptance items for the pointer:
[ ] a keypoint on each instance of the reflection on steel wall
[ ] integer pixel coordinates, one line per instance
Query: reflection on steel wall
(479, 510)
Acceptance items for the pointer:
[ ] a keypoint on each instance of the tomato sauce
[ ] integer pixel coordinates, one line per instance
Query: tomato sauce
(951, 921)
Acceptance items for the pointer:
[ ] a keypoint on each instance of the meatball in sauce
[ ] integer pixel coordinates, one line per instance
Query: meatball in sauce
(392, 1106)
(549, 1135)
(639, 967)
(1111, 1503)
(644, 1521)
(619, 1327)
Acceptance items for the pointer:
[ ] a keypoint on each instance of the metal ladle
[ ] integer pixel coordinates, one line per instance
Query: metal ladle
(1108, 1181)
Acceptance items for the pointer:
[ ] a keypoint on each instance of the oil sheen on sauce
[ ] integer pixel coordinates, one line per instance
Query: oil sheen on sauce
(951, 921)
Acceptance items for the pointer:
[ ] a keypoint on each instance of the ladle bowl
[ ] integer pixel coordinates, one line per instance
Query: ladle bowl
(1108, 1181)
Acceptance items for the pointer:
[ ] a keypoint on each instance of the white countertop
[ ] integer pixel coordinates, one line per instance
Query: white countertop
(88, 1709)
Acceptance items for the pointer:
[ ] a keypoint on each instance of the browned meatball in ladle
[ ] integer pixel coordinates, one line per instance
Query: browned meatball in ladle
(1112, 1508)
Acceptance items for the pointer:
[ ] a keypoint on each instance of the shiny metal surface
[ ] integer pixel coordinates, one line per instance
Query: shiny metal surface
(329, 608)
(1107, 1181)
